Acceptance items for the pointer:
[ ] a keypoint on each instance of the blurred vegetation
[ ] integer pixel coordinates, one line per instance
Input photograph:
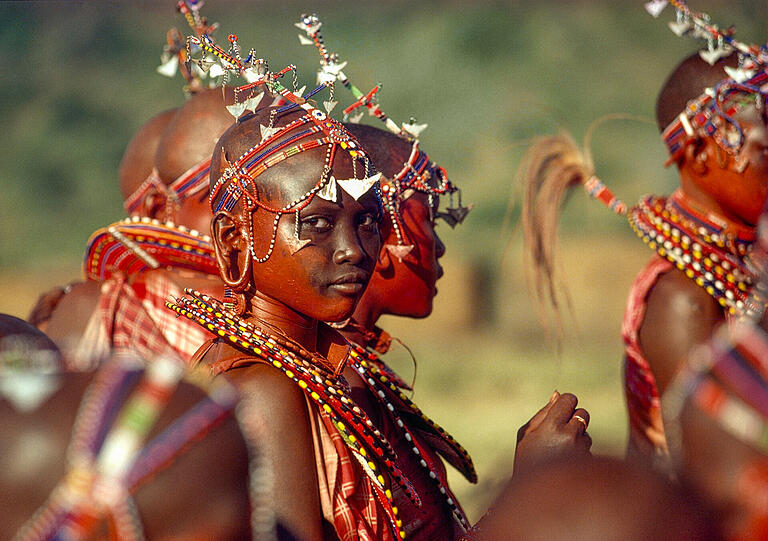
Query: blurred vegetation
(79, 79)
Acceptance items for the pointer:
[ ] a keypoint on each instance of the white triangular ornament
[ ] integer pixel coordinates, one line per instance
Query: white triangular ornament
(329, 105)
(251, 75)
(325, 77)
(738, 74)
(399, 250)
(355, 119)
(296, 244)
(710, 57)
(267, 132)
(329, 192)
(414, 129)
(679, 28)
(300, 92)
(304, 40)
(252, 103)
(655, 7)
(236, 109)
(168, 68)
(216, 70)
(357, 187)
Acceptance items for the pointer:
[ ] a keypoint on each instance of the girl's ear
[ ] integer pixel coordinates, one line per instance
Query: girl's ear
(232, 244)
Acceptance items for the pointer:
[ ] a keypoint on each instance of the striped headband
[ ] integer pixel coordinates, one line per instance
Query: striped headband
(189, 183)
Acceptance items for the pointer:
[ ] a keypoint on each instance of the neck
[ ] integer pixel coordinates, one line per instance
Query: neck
(272, 315)
(366, 314)
(201, 281)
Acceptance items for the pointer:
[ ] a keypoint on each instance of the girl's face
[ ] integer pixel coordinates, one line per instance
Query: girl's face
(410, 284)
(740, 194)
(326, 278)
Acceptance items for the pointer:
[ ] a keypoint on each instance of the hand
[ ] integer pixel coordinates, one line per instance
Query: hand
(557, 430)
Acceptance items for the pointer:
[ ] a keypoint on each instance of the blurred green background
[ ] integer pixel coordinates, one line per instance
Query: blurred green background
(79, 79)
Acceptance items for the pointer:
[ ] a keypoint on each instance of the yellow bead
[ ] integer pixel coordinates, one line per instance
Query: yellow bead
(303, 384)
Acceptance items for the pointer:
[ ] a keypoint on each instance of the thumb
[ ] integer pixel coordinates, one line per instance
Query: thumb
(538, 418)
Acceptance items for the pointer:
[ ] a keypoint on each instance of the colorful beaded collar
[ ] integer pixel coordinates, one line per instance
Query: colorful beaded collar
(364, 441)
(709, 253)
(136, 244)
(417, 173)
(361, 437)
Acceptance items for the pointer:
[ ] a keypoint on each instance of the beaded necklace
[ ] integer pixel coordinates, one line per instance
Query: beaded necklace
(704, 250)
(364, 441)
(135, 245)
(388, 392)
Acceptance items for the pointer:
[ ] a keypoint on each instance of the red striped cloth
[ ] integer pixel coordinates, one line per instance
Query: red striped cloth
(136, 319)
(646, 430)
(347, 497)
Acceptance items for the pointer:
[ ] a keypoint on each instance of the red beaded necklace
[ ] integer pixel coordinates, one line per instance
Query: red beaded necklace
(365, 442)
(712, 254)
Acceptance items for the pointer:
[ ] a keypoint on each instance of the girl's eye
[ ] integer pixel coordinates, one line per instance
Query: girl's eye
(317, 223)
(369, 221)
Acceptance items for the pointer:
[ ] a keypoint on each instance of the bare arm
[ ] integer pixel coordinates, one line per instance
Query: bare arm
(286, 446)
(679, 316)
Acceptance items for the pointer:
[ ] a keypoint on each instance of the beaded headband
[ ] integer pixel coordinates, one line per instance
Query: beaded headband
(313, 129)
(189, 183)
(712, 114)
(416, 172)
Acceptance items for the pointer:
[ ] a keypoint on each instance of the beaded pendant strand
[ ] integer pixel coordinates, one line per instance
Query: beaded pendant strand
(389, 394)
(365, 442)
(700, 250)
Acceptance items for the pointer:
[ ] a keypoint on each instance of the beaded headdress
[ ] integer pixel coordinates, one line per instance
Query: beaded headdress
(175, 56)
(713, 113)
(313, 129)
(416, 172)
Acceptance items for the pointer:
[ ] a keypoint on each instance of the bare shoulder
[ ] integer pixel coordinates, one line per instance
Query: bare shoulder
(679, 315)
(73, 310)
(275, 407)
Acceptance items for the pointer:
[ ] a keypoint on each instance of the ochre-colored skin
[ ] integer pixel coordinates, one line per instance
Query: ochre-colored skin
(173, 142)
(288, 295)
(139, 157)
(33, 448)
(679, 314)
(407, 287)
(599, 498)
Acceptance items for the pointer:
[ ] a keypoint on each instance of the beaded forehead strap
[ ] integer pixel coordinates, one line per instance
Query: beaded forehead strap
(175, 55)
(712, 114)
(416, 172)
(189, 183)
(313, 129)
